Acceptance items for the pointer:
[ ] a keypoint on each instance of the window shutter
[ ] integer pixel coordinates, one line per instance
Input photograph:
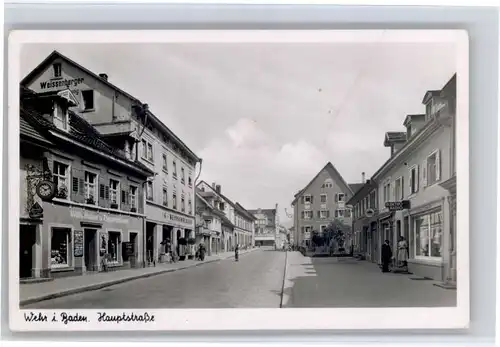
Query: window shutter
(101, 191)
(139, 198)
(75, 184)
(319, 214)
(302, 214)
(106, 188)
(303, 229)
(336, 197)
(312, 199)
(417, 178)
(302, 200)
(438, 165)
(410, 182)
(402, 188)
(424, 173)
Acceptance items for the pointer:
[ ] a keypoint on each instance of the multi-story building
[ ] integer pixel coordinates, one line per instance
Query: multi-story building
(81, 200)
(411, 198)
(211, 223)
(128, 124)
(322, 200)
(364, 204)
(266, 226)
(243, 221)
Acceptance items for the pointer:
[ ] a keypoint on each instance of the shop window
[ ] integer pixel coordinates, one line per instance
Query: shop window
(60, 246)
(61, 179)
(88, 100)
(113, 246)
(429, 236)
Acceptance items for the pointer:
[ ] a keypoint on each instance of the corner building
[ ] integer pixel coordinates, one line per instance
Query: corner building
(129, 125)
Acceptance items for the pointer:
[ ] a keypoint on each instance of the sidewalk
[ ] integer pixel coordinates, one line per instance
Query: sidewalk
(35, 292)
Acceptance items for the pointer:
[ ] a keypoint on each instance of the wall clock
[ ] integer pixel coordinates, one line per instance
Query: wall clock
(46, 190)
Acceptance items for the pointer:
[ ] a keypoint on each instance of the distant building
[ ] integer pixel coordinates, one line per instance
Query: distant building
(266, 226)
(322, 200)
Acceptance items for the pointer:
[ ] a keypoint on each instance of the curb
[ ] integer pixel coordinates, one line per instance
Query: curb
(98, 286)
(284, 280)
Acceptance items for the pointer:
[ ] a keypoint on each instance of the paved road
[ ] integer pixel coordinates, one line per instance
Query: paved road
(345, 282)
(254, 282)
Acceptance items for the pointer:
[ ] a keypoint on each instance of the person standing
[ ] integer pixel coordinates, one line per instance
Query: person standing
(236, 252)
(402, 255)
(386, 256)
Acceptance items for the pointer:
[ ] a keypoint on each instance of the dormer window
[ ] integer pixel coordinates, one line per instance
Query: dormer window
(57, 70)
(61, 117)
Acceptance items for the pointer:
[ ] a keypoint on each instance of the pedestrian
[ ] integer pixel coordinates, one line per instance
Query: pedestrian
(386, 256)
(236, 252)
(402, 255)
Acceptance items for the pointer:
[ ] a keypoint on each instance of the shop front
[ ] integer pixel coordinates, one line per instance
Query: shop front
(165, 227)
(428, 241)
(77, 240)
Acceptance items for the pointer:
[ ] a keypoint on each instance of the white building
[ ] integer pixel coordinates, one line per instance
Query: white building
(266, 226)
(412, 201)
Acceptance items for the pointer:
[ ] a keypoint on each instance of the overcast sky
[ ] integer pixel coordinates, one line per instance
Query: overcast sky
(266, 118)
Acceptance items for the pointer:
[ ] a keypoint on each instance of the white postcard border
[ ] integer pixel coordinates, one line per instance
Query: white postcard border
(250, 319)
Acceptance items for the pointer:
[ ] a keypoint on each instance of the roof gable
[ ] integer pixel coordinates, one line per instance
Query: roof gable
(334, 174)
(429, 95)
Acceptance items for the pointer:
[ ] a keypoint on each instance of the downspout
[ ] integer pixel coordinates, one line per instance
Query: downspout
(194, 199)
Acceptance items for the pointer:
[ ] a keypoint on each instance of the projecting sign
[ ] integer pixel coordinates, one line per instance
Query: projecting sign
(398, 205)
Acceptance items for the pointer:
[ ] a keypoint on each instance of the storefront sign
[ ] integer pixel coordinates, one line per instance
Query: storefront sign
(128, 248)
(398, 205)
(65, 83)
(102, 217)
(36, 211)
(78, 244)
(176, 219)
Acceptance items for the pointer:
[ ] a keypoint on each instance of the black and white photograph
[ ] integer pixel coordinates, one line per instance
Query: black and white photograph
(281, 172)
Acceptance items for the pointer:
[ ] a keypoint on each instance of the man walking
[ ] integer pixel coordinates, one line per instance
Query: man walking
(386, 256)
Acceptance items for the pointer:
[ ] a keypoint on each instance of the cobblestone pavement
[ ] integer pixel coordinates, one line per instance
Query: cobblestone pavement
(255, 281)
(346, 282)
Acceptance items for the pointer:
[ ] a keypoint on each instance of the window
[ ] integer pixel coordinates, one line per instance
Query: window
(88, 100)
(57, 70)
(90, 188)
(399, 189)
(114, 245)
(150, 151)
(165, 164)
(308, 214)
(183, 176)
(183, 203)
(414, 177)
(175, 169)
(190, 181)
(114, 188)
(322, 228)
(60, 247)
(221, 206)
(147, 150)
(174, 200)
(323, 198)
(308, 199)
(328, 184)
(61, 118)
(347, 213)
(340, 197)
(61, 179)
(373, 199)
(165, 197)
(339, 213)
(190, 207)
(324, 214)
(149, 191)
(429, 235)
(387, 192)
(433, 168)
(133, 197)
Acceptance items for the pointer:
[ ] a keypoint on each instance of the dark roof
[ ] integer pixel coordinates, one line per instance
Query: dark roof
(26, 129)
(338, 178)
(80, 131)
(411, 117)
(245, 212)
(56, 55)
(362, 191)
(355, 186)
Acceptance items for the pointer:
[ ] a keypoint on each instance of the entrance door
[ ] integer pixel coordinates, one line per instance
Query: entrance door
(27, 240)
(90, 249)
(133, 259)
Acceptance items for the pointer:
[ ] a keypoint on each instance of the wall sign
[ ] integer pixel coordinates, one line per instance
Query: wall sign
(97, 217)
(67, 83)
(178, 219)
(78, 243)
(398, 205)
(36, 211)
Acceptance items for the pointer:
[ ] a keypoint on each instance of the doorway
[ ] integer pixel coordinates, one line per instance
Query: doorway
(27, 241)
(90, 249)
(133, 258)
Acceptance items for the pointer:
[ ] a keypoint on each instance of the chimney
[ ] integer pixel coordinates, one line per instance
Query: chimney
(363, 177)
(103, 76)
(217, 188)
(213, 185)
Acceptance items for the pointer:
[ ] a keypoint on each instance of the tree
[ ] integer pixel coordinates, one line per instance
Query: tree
(337, 230)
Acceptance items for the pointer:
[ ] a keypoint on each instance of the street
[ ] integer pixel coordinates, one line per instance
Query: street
(256, 281)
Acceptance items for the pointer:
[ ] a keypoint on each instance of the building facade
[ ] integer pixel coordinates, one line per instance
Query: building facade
(211, 223)
(322, 200)
(81, 200)
(411, 197)
(266, 226)
(128, 124)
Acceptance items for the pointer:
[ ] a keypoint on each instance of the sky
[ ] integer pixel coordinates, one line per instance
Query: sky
(267, 117)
